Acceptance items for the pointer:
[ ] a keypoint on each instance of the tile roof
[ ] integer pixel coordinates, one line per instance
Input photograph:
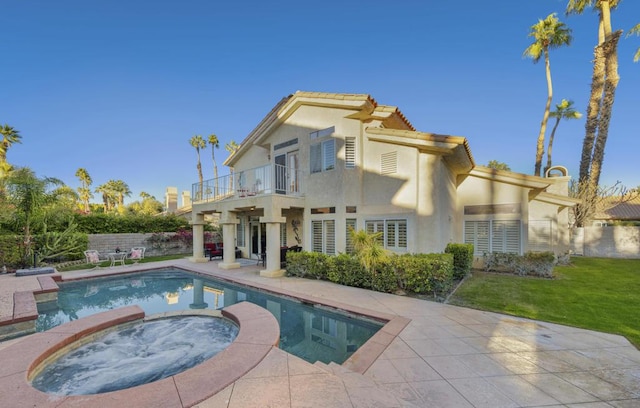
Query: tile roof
(624, 211)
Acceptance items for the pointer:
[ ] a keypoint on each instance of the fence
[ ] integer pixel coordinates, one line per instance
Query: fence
(109, 243)
(606, 242)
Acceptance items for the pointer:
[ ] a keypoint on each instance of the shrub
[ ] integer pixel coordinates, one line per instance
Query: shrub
(424, 273)
(462, 258)
(308, 265)
(532, 263)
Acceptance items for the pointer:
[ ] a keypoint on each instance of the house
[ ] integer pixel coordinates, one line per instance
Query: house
(320, 164)
(618, 210)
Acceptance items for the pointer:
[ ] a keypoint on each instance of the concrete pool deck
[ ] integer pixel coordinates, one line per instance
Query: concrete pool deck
(446, 356)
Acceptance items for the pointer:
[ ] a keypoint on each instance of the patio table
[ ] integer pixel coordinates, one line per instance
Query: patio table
(117, 257)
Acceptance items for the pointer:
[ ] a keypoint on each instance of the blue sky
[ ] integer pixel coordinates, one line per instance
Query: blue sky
(119, 87)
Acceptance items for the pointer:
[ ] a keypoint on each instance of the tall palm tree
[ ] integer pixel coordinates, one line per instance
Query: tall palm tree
(564, 110)
(198, 143)
(547, 34)
(604, 82)
(121, 190)
(215, 144)
(635, 30)
(84, 191)
(9, 137)
(231, 147)
(109, 197)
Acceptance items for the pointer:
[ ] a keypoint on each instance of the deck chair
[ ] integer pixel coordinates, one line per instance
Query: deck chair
(136, 254)
(93, 257)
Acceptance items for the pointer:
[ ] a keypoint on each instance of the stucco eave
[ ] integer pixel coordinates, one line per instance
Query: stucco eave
(508, 177)
(559, 200)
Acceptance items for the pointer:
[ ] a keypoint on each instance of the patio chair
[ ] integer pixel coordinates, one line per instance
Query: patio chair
(93, 257)
(136, 254)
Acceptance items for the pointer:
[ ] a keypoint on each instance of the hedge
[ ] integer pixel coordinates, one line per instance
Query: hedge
(462, 258)
(416, 273)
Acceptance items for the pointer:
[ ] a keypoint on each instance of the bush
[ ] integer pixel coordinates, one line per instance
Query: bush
(417, 273)
(532, 263)
(123, 224)
(462, 258)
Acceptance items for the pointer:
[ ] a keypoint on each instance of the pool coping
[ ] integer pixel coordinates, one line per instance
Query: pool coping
(258, 333)
(359, 362)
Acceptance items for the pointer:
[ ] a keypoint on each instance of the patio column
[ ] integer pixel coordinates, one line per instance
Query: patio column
(197, 225)
(273, 269)
(228, 220)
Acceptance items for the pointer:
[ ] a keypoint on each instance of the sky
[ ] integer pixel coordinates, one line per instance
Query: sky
(119, 87)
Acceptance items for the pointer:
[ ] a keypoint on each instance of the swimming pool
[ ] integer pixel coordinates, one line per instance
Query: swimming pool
(311, 333)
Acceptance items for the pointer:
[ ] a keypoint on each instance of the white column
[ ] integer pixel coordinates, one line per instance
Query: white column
(197, 225)
(228, 220)
(272, 269)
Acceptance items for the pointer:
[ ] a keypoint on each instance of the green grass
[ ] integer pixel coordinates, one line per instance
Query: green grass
(105, 264)
(592, 293)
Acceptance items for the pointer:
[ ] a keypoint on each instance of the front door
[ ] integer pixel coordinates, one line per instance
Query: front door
(258, 238)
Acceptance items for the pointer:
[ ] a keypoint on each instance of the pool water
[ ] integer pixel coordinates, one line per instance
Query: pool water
(311, 333)
(137, 354)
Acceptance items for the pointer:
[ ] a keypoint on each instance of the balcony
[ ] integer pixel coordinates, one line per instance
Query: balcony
(264, 180)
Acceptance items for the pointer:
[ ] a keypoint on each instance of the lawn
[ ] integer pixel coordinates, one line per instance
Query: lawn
(593, 293)
(105, 264)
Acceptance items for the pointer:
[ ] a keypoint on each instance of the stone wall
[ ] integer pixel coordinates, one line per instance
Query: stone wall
(104, 243)
(606, 242)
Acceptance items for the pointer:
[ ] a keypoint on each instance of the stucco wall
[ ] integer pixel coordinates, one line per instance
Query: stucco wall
(607, 242)
(104, 243)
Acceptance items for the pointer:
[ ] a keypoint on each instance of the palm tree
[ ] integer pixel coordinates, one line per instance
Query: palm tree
(232, 147)
(548, 33)
(120, 189)
(369, 250)
(564, 110)
(198, 143)
(604, 82)
(108, 195)
(29, 194)
(635, 30)
(215, 144)
(9, 137)
(84, 191)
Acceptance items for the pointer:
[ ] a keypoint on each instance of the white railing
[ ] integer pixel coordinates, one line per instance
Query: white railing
(268, 179)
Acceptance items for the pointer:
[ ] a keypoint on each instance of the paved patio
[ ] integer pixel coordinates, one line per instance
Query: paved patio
(446, 356)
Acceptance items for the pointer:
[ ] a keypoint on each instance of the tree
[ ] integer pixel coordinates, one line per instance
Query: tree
(547, 34)
(604, 82)
(9, 137)
(29, 194)
(215, 144)
(109, 196)
(369, 250)
(635, 30)
(121, 189)
(497, 165)
(564, 110)
(198, 143)
(85, 190)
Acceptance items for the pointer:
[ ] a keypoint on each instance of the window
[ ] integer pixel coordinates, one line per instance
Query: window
(322, 132)
(493, 236)
(323, 156)
(349, 152)
(240, 232)
(351, 225)
(394, 233)
(324, 236)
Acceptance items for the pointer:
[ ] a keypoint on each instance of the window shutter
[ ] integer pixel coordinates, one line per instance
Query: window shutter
(330, 237)
(329, 153)
(350, 152)
(316, 228)
(350, 225)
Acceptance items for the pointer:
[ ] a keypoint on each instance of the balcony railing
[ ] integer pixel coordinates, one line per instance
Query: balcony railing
(268, 179)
